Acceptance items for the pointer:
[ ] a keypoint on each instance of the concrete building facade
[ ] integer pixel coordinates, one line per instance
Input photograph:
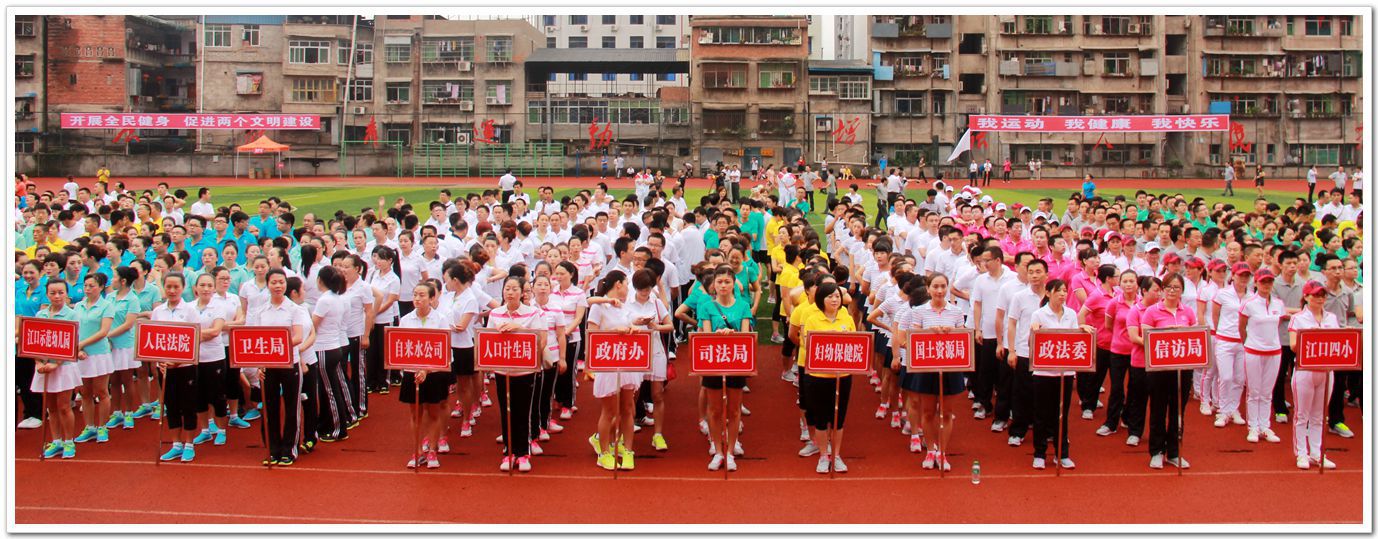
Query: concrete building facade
(613, 31)
(30, 98)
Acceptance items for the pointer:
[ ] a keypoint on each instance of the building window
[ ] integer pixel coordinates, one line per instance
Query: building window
(400, 133)
(24, 142)
(342, 52)
(313, 90)
(308, 52)
(610, 42)
(666, 77)
(1271, 153)
(1038, 24)
(854, 87)
(399, 93)
(578, 42)
(578, 19)
(447, 50)
(547, 20)
(499, 49)
(363, 53)
(551, 42)
(736, 35)
(1346, 25)
(635, 77)
(499, 92)
(776, 76)
(909, 103)
(1114, 26)
(248, 83)
(1116, 63)
(777, 122)
(822, 85)
(397, 53)
(24, 66)
(437, 133)
(724, 76)
(636, 42)
(724, 122)
(24, 26)
(1320, 106)
(251, 35)
(217, 36)
(939, 103)
(1321, 154)
(1239, 26)
(610, 77)
(1318, 26)
(636, 19)
(448, 92)
(609, 20)
(665, 20)
(578, 76)
(361, 90)
(1119, 104)
(665, 42)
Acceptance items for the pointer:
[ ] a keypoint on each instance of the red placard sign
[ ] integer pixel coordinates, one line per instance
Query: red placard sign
(838, 352)
(1062, 350)
(1175, 349)
(45, 338)
(512, 351)
(722, 354)
(267, 347)
(416, 349)
(932, 351)
(1330, 349)
(614, 351)
(171, 342)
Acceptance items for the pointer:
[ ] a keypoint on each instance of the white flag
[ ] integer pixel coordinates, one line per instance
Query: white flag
(962, 146)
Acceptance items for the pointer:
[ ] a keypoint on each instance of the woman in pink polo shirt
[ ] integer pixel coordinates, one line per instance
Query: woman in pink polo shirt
(1140, 382)
(1168, 389)
(1100, 292)
(1309, 387)
(1116, 320)
(1229, 346)
(1262, 353)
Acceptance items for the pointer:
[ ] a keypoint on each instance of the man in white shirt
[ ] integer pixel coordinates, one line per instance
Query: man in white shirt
(517, 194)
(1340, 178)
(984, 295)
(1311, 184)
(618, 163)
(506, 184)
(1355, 207)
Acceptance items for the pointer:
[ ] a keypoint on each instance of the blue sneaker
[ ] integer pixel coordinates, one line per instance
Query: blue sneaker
(69, 450)
(202, 438)
(220, 437)
(157, 411)
(172, 454)
(142, 411)
(87, 434)
(239, 423)
(188, 453)
(252, 414)
(213, 428)
(102, 435)
(128, 422)
(51, 450)
(116, 419)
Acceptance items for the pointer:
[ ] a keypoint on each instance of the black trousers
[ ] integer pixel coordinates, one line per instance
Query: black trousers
(210, 388)
(544, 391)
(564, 383)
(1168, 392)
(1344, 381)
(808, 195)
(282, 395)
(1049, 391)
(1310, 193)
(23, 378)
(1023, 398)
(1114, 407)
(521, 388)
(643, 396)
(310, 402)
(1089, 383)
(1004, 388)
(736, 190)
(1284, 381)
(986, 375)
(376, 375)
(354, 367)
(1136, 402)
(335, 408)
(180, 397)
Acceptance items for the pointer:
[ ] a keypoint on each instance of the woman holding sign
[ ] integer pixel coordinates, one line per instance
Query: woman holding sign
(282, 387)
(725, 313)
(940, 316)
(817, 390)
(55, 380)
(179, 380)
(434, 390)
(1166, 396)
(1054, 314)
(96, 317)
(616, 390)
(1310, 387)
(518, 387)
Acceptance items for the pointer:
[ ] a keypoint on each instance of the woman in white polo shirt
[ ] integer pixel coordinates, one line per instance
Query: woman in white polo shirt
(282, 387)
(1259, 317)
(1053, 388)
(1310, 387)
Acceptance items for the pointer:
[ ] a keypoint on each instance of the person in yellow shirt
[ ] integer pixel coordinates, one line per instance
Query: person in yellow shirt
(43, 237)
(103, 175)
(817, 391)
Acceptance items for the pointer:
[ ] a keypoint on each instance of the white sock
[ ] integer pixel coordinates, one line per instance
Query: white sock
(176, 445)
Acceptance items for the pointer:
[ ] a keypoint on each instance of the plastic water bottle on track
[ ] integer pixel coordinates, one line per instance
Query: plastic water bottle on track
(976, 472)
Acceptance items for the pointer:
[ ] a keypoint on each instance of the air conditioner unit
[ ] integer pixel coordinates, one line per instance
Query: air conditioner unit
(754, 135)
(584, 29)
(655, 28)
(550, 29)
(465, 66)
(494, 101)
(1134, 28)
(612, 28)
(360, 110)
(462, 137)
(1096, 30)
(466, 106)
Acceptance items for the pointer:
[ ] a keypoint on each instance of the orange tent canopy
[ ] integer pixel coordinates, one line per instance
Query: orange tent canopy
(262, 145)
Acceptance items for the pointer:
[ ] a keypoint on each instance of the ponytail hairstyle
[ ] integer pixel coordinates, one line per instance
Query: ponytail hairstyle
(387, 253)
(309, 257)
(126, 274)
(358, 263)
(462, 272)
(1107, 272)
(293, 285)
(1049, 288)
(572, 269)
(333, 280)
(610, 280)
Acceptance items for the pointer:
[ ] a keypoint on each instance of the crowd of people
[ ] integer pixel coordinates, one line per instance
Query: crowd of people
(945, 258)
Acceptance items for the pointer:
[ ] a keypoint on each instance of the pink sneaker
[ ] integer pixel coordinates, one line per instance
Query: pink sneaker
(444, 445)
(566, 414)
(466, 431)
(524, 464)
(554, 427)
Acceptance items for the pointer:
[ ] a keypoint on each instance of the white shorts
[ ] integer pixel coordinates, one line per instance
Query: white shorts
(658, 365)
(96, 365)
(606, 384)
(66, 378)
(123, 359)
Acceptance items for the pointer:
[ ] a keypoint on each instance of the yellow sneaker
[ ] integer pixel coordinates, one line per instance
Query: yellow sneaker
(628, 461)
(658, 442)
(593, 441)
(606, 461)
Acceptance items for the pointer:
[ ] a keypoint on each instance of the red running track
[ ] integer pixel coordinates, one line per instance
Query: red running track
(363, 480)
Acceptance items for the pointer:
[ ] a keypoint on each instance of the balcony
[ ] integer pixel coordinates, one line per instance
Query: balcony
(910, 71)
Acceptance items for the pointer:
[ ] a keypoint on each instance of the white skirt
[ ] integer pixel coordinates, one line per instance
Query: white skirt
(606, 384)
(123, 359)
(96, 365)
(658, 366)
(66, 378)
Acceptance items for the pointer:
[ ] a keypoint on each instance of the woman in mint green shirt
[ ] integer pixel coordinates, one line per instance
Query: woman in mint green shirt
(95, 363)
(56, 379)
(124, 310)
(726, 312)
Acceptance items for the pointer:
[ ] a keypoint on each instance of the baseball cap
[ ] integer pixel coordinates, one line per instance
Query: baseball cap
(1087, 230)
(1191, 261)
(986, 199)
(1241, 268)
(1264, 274)
(1313, 288)
(1023, 209)
(1152, 246)
(1172, 258)
(1000, 207)
(1217, 264)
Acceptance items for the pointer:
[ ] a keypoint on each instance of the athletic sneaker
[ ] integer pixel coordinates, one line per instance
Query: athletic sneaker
(1132, 441)
(1015, 441)
(87, 434)
(1156, 462)
(219, 437)
(915, 443)
(456, 412)
(238, 422)
(102, 435)
(628, 460)
(1303, 463)
(809, 449)
(715, 463)
(69, 449)
(1206, 409)
(930, 459)
(1088, 414)
(703, 427)
(895, 420)
(566, 414)
(1236, 419)
(128, 422)
(506, 464)
(823, 463)
(116, 419)
(804, 434)
(1252, 437)
(980, 413)
(647, 421)
(1104, 431)
(1067, 463)
(485, 401)
(1269, 435)
(942, 460)
(1179, 462)
(1039, 463)
(535, 449)
(417, 459)
(1341, 430)
(523, 464)
(444, 445)
(498, 439)
(593, 441)
(157, 411)
(425, 445)
(544, 436)
(658, 442)
(286, 461)
(554, 427)
(1221, 420)
(1280, 418)
(270, 461)
(206, 436)
(737, 449)
(142, 411)
(432, 461)
(745, 411)
(997, 426)
(731, 463)
(54, 449)
(34, 422)
(188, 453)
(253, 414)
(839, 466)
(777, 339)
(1326, 463)
(712, 448)
(466, 430)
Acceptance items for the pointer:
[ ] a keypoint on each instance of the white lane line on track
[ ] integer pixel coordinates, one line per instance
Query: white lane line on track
(707, 477)
(226, 515)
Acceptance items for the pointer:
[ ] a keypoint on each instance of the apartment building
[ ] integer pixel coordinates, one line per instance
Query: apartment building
(615, 31)
(839, 37)
(29, 97)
